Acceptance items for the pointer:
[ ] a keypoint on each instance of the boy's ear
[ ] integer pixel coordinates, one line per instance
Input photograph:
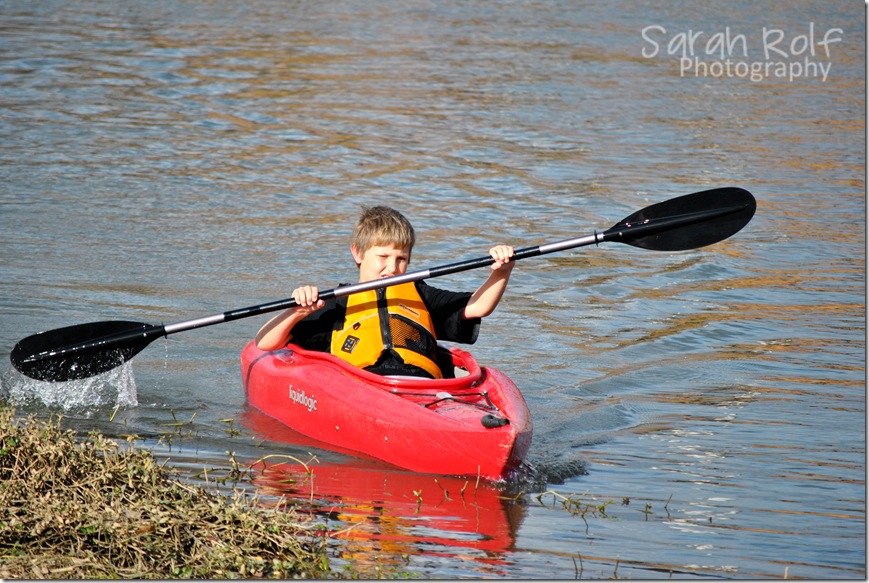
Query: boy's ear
(357, 256)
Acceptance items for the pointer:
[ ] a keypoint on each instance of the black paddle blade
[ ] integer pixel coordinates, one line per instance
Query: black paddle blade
(686, 222)
(81, 351)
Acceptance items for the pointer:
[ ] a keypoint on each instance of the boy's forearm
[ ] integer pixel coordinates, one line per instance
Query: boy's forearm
(488, 296)
(277, 331)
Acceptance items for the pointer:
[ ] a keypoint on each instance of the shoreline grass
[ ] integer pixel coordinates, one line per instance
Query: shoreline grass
(89, 508)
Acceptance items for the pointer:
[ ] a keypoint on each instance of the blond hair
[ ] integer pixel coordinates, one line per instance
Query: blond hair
(382, 225)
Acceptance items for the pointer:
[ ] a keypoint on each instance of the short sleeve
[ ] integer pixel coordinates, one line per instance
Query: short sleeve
(446, 309)
(315, 331)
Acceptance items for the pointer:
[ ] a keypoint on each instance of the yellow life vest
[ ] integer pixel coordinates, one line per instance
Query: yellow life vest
(388, 318)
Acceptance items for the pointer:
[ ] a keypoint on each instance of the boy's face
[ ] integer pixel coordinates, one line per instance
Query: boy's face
(381, 261)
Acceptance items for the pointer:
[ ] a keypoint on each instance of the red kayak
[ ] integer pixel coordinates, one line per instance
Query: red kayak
(475, 423)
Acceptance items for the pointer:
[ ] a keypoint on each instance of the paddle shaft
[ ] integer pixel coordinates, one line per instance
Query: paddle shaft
(615, 234)
(149, 333)
(379, 283)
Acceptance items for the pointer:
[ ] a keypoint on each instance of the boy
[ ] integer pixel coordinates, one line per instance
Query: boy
(393, 330)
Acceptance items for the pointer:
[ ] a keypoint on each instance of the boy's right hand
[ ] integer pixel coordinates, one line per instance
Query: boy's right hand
(308, 298)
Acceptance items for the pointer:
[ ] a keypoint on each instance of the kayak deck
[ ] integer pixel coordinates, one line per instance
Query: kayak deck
(475, 422)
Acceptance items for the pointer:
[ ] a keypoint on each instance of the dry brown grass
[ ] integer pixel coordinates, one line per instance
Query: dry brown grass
(89, 508)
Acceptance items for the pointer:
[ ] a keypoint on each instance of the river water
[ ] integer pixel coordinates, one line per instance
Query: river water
(698, 414)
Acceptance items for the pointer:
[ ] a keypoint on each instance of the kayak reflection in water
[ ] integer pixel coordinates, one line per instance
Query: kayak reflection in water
(392, 330)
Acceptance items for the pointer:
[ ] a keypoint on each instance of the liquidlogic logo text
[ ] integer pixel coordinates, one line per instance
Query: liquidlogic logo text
(302, 399)
(770, 53)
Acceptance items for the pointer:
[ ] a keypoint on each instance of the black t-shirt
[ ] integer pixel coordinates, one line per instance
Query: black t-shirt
(445, 307)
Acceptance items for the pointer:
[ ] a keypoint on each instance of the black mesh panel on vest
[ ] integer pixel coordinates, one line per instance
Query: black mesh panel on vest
(408, 334)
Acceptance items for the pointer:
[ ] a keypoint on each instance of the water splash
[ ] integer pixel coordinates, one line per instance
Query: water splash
(83, 397)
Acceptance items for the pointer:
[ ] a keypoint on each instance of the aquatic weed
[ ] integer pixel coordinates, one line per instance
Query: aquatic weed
(576, 506)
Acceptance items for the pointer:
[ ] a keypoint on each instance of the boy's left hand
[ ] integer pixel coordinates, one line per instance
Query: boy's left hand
(502, 254)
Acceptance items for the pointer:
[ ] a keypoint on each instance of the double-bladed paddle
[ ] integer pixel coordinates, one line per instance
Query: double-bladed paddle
(85, 350)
